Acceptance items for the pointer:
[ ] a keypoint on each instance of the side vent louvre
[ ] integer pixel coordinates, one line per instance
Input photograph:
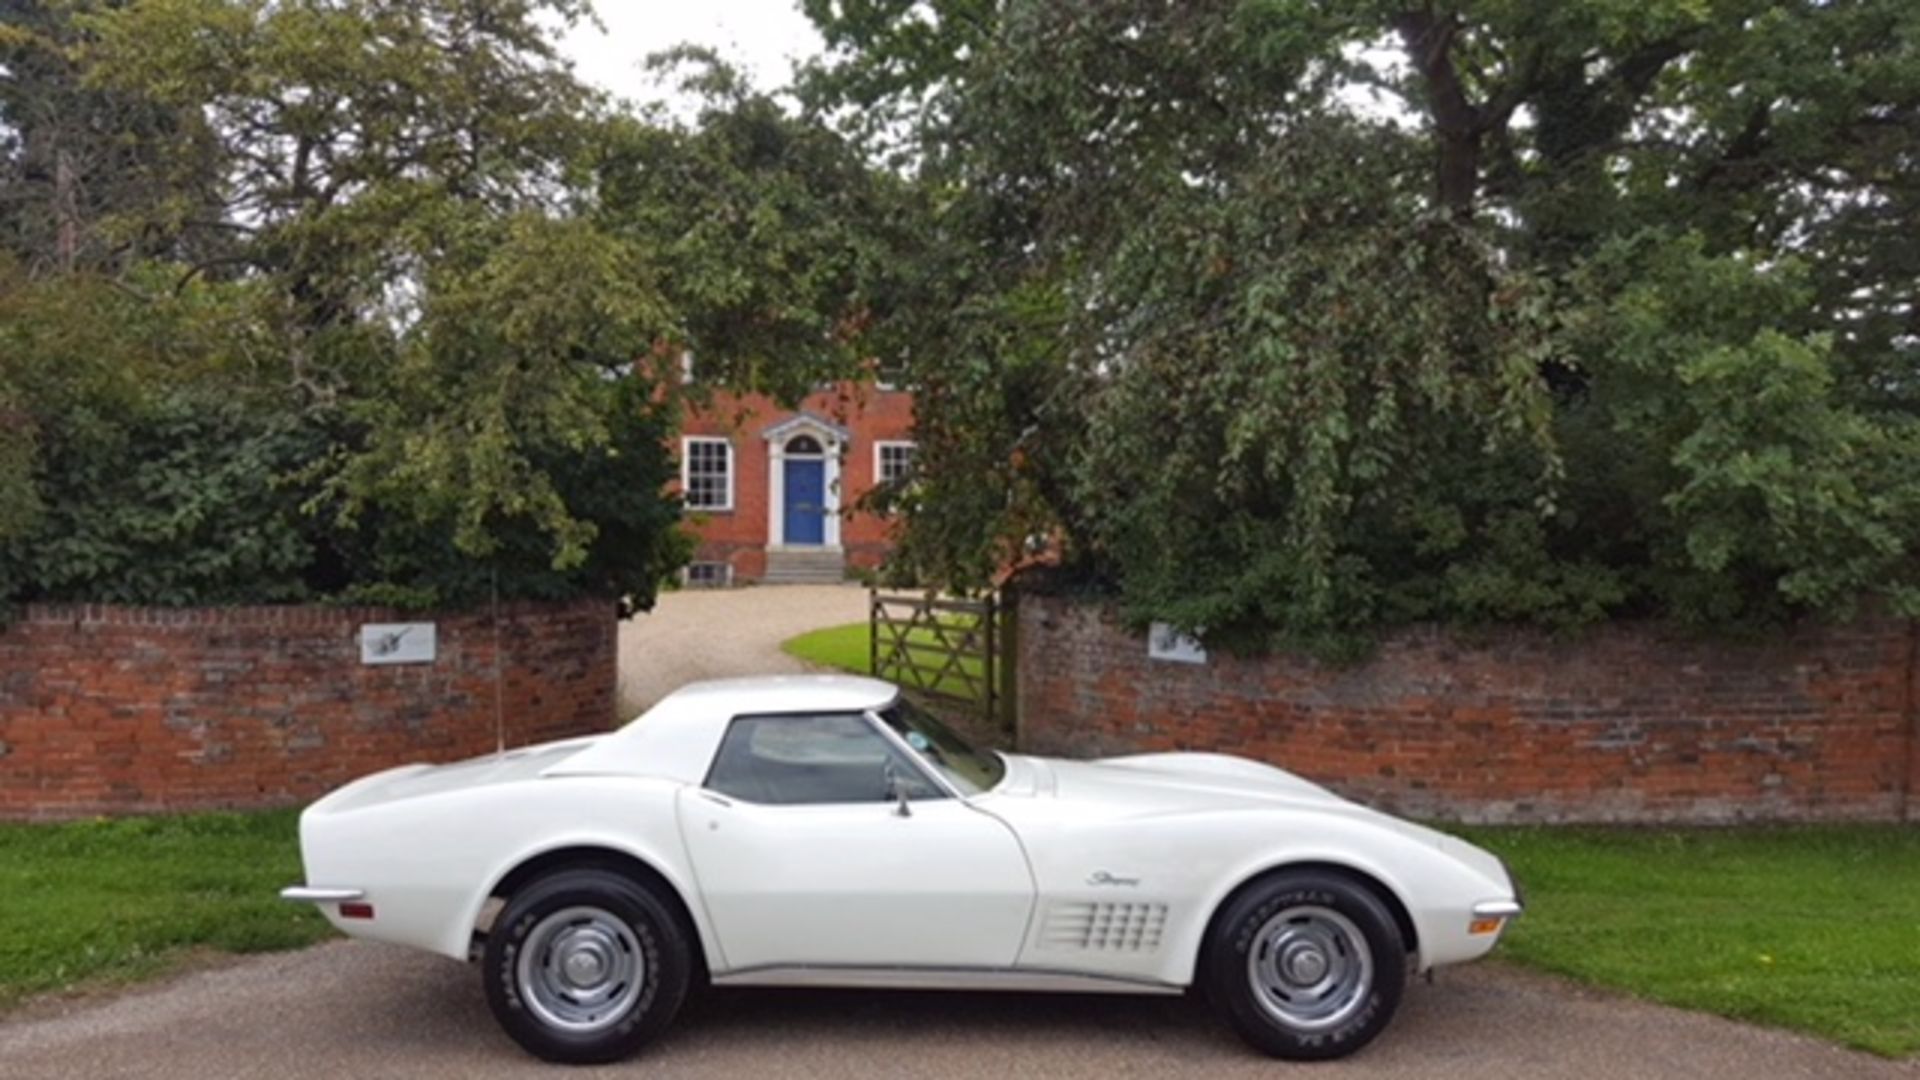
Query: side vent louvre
(1109, 927)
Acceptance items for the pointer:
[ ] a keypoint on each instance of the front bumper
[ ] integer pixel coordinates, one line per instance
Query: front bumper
(1497, 909)
(1492, 917)
(310, 894)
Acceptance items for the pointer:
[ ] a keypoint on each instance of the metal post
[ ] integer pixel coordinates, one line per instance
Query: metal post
(1008, 659)
(986, 668)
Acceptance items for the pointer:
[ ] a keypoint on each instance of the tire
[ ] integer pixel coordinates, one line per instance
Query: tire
(586, 966)
(1306, 965)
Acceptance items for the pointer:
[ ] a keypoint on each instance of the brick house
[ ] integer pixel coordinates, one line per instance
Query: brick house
(770, 492)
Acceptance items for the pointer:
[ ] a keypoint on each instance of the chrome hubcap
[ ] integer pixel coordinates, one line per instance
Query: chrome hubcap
(1310, 967)
(580, 969)
(585, 965)
(1303, 963)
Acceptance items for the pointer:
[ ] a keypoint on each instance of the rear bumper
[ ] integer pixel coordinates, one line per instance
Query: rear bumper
(310, 894)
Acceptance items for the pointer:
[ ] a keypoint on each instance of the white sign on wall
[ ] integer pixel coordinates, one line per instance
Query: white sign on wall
(397, 643)
(1166, 643)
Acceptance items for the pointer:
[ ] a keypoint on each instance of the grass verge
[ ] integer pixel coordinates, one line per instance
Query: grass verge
(104, 901)
(1814, 928)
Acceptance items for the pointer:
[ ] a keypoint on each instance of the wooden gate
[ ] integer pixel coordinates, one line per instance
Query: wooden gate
(942, 649)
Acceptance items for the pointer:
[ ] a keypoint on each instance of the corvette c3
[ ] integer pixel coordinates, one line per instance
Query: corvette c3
(825, 831)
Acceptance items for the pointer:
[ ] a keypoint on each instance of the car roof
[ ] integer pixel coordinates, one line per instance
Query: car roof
(676, 738)
(781, 694)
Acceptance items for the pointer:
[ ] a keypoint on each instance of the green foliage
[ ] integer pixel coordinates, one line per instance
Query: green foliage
(507, 363)
(405, 549)
(20, 502)
(996, 416)
(397, 360)
(1767, 475)
(137, 480)
(401, 166)
(76, 158)
(767, 233)
(1611, 315)
(1301, 361)
(178, 503)
(393, 363)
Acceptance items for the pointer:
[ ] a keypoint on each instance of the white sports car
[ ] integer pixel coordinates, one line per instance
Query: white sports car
(823, 831)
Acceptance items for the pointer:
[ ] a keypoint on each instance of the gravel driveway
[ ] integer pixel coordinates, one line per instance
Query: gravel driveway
(351, 1009)
(710, 633)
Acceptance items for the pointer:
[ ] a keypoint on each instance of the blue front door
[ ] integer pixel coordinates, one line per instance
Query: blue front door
(806, 509)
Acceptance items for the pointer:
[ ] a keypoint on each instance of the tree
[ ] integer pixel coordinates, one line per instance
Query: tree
(398, 182)
(138, 475)
(396, 357)
(1768, 128)
(1603, 314)
(89, 176)
(768, 232)
(401, 179)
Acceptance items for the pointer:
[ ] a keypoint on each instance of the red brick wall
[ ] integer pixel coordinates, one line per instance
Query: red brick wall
(113, 709)
(1625, 724)
(739, 536)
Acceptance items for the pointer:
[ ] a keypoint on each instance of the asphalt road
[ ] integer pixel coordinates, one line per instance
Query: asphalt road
(353, 1010)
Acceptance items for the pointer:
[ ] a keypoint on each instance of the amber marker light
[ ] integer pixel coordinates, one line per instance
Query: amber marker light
(1488, 916)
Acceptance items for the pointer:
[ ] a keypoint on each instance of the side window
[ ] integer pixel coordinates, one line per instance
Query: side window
(797, 760)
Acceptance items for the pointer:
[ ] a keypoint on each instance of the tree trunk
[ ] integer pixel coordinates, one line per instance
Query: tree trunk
(1458, 171)
(66, 210)
(1459, 125)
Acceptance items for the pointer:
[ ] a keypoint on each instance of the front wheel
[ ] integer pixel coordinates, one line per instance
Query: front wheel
(1306, 965)
(585, 966)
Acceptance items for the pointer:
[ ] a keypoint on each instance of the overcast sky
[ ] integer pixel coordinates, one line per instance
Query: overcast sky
(762, 36)
(765, 36)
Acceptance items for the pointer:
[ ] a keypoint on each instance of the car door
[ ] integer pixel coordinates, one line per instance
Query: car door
(803, 855)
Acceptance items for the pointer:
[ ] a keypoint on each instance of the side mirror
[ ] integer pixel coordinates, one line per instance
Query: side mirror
(896, 791)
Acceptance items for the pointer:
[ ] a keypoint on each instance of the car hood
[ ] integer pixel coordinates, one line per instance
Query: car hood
(1161, 783)
(1152, 785)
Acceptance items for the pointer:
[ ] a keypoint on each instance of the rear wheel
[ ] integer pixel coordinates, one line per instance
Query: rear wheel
(585, 966)
(1306, 965)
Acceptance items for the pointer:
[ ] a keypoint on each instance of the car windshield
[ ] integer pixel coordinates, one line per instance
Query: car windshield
(969, 769)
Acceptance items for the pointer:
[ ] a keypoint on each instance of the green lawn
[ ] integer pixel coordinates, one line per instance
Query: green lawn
(846, 648)
(100, 901)
(1814, 928)
(843, 647)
